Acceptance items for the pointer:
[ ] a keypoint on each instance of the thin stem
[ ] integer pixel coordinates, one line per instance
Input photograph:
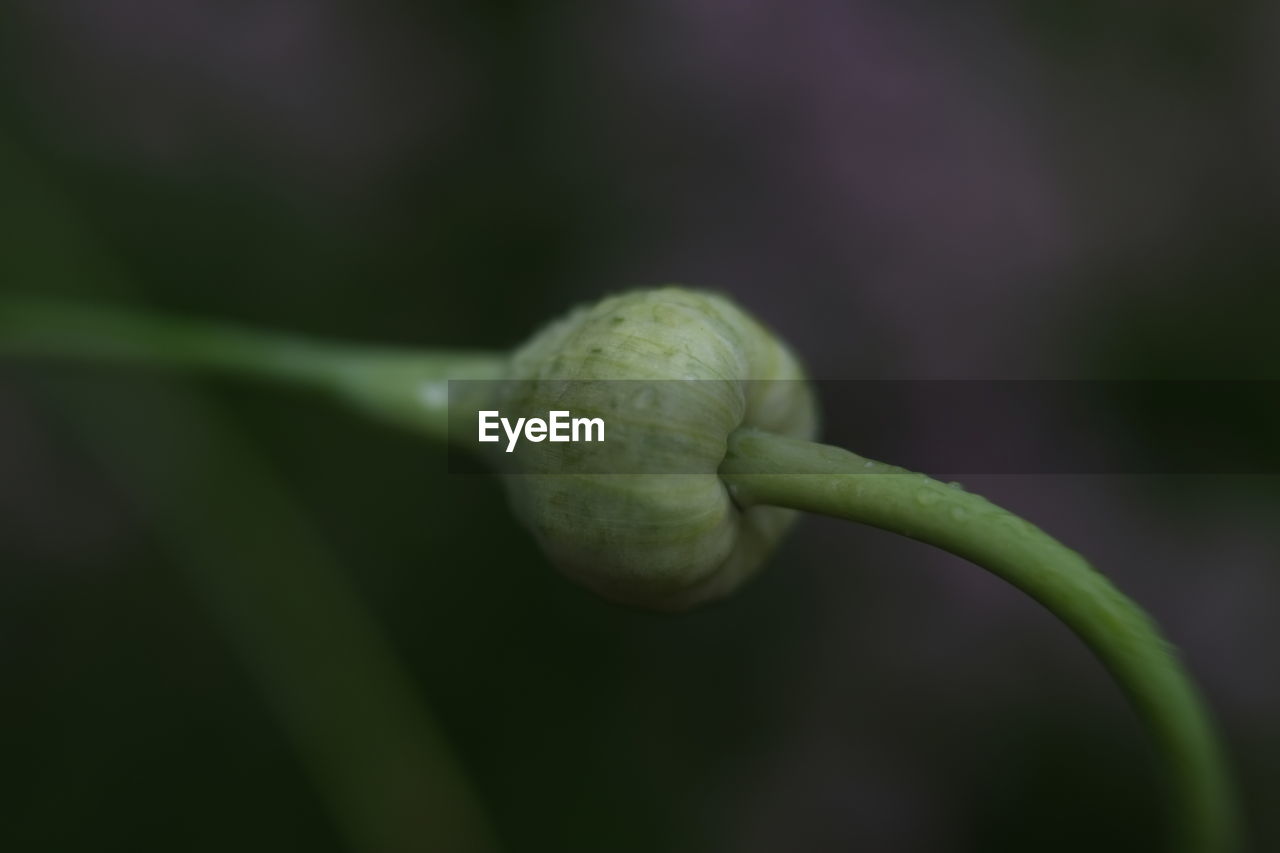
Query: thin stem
(764, 469)
(406, 387)
(331, 675)
(340, 691)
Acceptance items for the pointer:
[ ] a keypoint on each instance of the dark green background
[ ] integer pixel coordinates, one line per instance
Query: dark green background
(1008, 190)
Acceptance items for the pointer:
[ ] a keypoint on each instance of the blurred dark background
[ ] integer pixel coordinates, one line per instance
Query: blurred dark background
(998, 190)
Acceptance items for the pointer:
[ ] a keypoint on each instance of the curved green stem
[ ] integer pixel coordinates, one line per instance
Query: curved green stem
(406, 387)
(764, 469)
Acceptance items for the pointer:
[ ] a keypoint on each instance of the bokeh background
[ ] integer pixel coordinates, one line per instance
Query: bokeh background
(926, 190)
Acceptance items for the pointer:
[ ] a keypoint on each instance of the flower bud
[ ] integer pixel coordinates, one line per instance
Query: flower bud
(644, 518)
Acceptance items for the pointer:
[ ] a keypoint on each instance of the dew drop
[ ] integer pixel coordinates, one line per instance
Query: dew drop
(926, 497)
(1012, 522)
(953, 484)
(958, 513)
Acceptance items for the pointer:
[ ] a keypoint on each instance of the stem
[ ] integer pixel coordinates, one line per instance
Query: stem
(765, 469)
(405, 387)
(340, 692)
(331, 675)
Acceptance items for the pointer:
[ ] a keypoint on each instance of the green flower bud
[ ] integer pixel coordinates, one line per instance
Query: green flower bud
(658, 528)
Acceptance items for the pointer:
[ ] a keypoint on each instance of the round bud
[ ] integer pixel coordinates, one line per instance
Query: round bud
(643, 517)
